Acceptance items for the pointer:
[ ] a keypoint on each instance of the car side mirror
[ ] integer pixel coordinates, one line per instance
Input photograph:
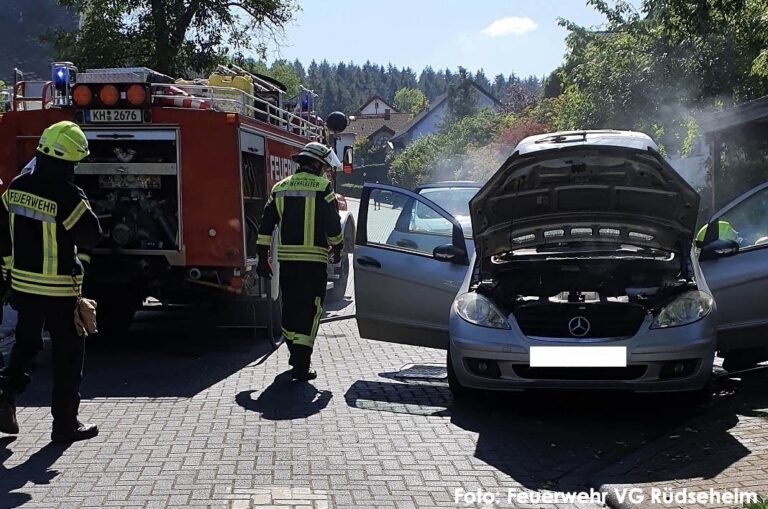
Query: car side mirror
(718, 248)
(450, 253)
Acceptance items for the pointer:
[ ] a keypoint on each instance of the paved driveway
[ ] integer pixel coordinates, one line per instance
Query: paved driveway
(194, 417)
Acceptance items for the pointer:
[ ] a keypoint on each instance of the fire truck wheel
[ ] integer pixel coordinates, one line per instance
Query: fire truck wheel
(114, 319)
(114, 314)
(249, 319)
(336, 293)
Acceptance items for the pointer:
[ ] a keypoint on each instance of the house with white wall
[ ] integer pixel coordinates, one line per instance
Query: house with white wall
(428, 121)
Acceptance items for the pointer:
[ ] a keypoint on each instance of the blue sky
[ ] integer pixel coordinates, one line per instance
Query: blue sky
(499, 36)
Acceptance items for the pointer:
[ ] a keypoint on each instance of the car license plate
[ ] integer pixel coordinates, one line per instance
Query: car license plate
(114, 116)
(578, 357)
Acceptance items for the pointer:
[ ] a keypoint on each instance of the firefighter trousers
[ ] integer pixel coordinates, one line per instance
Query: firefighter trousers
(302, 285)
(57, 314)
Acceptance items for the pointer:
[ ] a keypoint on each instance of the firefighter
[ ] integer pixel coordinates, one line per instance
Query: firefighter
(303, 208)
(46, 228)
(725, 232)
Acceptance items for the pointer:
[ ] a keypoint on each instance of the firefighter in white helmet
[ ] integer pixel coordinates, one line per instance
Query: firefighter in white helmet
(303, 208)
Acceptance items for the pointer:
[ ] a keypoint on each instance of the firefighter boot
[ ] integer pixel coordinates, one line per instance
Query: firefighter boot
(289, 344)
(75, 433)
(304, 376)
(302, 357)
(8, 422)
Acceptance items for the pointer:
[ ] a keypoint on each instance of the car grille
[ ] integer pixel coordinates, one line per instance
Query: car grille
(628, 373)
(560, 320)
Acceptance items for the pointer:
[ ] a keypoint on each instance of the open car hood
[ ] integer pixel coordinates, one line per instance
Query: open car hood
(603, 187)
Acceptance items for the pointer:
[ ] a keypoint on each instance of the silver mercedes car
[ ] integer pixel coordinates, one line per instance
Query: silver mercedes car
(580, 271)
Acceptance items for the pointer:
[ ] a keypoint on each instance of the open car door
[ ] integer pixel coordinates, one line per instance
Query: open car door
(410, 260)
(734, 258)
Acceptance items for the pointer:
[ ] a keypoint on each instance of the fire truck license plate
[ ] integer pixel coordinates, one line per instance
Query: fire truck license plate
(115, 116)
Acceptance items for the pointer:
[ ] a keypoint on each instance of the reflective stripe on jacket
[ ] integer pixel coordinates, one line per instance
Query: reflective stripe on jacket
(303, 208)
(43, 223)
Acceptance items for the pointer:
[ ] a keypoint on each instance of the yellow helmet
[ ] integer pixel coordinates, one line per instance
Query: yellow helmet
(725, 232)
(64, 140)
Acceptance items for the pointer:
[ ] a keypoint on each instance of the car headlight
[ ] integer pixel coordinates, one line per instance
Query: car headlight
(479, 310)
(686, 308)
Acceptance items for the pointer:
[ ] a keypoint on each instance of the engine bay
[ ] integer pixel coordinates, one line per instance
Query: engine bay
(612, 295)
(647, 281)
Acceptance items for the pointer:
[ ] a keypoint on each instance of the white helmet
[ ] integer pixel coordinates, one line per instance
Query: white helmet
(320, 153)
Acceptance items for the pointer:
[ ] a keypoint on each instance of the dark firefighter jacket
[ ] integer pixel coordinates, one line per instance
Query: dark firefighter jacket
(45, 219)
(303, 207)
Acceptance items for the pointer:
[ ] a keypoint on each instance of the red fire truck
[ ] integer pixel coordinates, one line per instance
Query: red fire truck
(178, 174)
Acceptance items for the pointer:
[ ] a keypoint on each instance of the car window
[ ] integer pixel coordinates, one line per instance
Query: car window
(428, 221)
(454, 200)
(424, 212)
(397, 220)
(747, 222)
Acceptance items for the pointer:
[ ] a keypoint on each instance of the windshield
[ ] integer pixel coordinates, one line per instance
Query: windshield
(454, 200)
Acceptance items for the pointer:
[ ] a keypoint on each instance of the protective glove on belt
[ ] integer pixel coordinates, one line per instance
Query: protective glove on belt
(263, 269)
(335, 253)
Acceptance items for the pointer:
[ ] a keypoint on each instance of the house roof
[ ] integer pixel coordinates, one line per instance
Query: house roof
(745, 113)
(421, 116)
(437, 102)
(377, 97)
(367, 125)
(384, 129)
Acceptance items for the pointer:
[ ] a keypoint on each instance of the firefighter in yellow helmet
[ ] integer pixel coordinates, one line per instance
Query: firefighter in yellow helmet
(303, 208)
(46, 229)
(725, 232)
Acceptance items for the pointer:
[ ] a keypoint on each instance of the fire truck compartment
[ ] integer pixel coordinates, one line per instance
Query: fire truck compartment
(132, 180)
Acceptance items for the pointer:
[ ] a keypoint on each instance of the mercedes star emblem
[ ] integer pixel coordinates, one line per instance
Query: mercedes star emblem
(578, 326)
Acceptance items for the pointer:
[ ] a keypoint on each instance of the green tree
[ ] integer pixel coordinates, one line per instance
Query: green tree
(462, 101)
(655, 68)
(415, 164)
(411, 100)
(281, 70)
(367, 153)
(170, 36)
(445, 152)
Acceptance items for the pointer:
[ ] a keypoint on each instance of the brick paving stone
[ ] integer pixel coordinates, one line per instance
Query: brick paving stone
(193, 421)
(722, 450)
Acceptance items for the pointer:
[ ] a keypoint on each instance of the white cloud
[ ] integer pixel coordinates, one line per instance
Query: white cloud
(512, 25)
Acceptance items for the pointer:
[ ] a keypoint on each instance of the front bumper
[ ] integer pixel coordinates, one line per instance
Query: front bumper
(651, 356)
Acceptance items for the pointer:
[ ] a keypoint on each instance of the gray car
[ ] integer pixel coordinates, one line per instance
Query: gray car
(734, 259)
(585, 273)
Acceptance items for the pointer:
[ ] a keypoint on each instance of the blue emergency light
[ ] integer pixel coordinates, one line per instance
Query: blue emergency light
(61, 78)
(307, 101)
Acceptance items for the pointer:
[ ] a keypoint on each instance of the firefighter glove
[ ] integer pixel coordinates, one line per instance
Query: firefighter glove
(335, 254)
(264, 269)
